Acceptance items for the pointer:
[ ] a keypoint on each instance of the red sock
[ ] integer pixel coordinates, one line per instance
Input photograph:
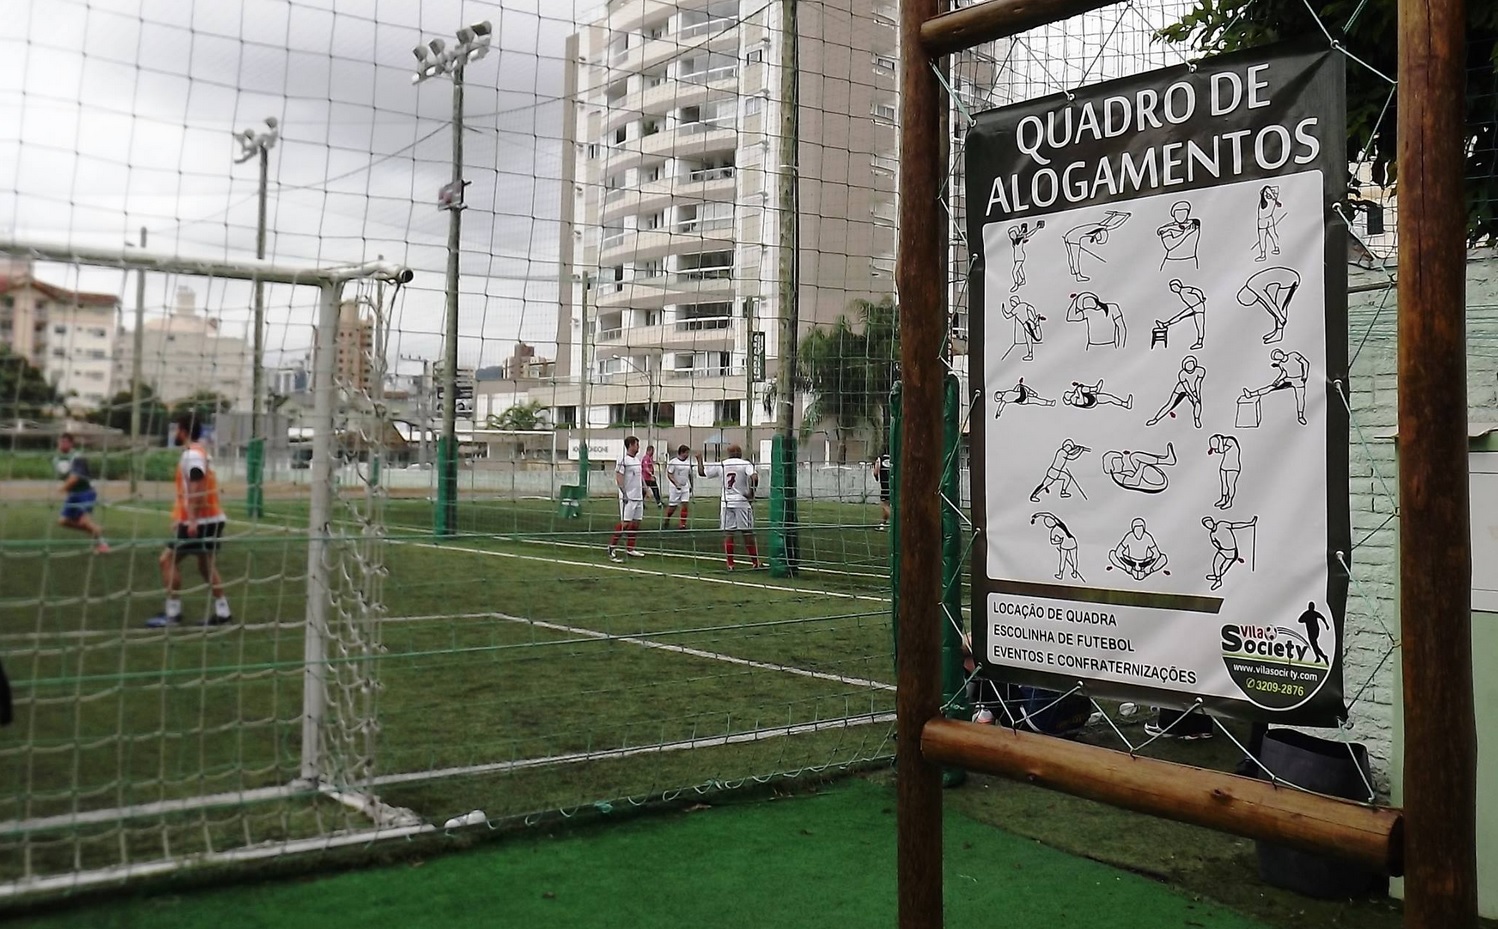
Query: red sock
(728, 549)
(753, 549)
(633, 529)
(683, 516)
(614, 539)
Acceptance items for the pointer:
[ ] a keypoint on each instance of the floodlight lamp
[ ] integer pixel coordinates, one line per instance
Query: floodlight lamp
(421, 53)
(437, 46)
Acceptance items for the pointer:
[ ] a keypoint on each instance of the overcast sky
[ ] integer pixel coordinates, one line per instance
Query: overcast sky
(117, 114)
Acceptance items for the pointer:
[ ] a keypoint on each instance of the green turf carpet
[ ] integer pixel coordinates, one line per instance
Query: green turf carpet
(811, 861)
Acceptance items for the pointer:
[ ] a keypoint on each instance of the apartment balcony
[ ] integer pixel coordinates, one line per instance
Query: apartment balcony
(685, 90)
(654, 293)
(709, 334)
(632, 15)
(691, 236)
(710, 185)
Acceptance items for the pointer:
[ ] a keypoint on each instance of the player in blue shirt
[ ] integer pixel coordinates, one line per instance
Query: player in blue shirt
(78, 491)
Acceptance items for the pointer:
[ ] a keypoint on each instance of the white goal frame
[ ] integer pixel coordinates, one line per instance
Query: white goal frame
(330, 281)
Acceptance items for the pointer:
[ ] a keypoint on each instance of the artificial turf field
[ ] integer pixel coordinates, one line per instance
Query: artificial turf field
(514, 660)
(823, 860)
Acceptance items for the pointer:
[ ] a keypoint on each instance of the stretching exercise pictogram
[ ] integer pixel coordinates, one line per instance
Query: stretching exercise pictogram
(1181, 236)
(1291, 372)
(1019, 393)
(1060, 472)
(1272, 289)
(1066, 545)
(1225, 544)
(1136, 554)
(1080, 240)
(1104, 321)
(1188, 387)
(1026, 327)
(1271, 211)
(1196, 311)
(1091, 396)
(1229, 466)
(1019, 236)
(1141, 471)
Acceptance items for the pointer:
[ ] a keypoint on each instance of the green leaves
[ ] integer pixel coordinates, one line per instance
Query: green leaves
(1368, 29)
(848, 369)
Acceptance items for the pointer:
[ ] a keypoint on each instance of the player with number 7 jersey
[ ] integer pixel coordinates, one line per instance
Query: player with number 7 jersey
(737, 513)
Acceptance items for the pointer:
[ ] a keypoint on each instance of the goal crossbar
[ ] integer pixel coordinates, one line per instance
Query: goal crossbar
(244, 269)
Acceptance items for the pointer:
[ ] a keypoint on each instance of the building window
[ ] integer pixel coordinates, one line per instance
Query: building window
(883, 111)
(696, 317)
(59, 353)
(59, 330)
(727, 412)
(566, 416)
(753, 105)
(755, 56)
(884, 63)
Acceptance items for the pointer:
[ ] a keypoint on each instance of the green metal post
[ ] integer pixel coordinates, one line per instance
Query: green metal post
(896, 428)
(254, 475)
(446, 514)
(952, 672)
(785, 543)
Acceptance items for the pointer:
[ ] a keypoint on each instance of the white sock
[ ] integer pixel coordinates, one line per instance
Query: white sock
(173, 607)
(221, 607)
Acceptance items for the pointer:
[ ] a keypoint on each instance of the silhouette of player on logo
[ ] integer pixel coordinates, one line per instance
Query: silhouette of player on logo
(1313, 621)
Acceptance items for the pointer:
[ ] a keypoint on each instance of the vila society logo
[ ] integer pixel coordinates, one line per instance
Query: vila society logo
(1279, 667)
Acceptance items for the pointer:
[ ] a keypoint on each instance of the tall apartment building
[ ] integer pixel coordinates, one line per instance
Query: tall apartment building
(184, 352)
(67, 334)
(671, 251)
(355, 344)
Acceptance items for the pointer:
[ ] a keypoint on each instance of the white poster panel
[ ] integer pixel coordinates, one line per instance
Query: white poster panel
(1160, 437)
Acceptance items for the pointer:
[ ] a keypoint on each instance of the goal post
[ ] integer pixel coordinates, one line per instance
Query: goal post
(340, 619)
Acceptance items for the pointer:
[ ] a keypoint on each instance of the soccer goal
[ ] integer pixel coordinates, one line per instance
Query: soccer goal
(140, 745)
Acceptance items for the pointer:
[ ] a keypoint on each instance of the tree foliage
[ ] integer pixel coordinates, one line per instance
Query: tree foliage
(203, 405)
(848, 369)
(115, 413)
(1368, 29)
(521, 417)
(25, 392)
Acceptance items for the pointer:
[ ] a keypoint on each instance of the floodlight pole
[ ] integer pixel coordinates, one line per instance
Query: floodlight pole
(1435, 571)
(253, 143)
(436, 60)
(650, 394)
(138, 340)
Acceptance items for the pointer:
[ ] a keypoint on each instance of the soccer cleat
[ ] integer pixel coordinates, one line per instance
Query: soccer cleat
(984, 716)
(634, 553)
(614, 554)
(216, 620)
(101, 547)
(162, 621)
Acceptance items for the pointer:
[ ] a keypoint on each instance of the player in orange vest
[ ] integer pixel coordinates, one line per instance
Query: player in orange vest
(198, 518)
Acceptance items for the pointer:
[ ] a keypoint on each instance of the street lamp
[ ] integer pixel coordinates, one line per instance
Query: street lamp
(254, 142)
(650, 387)
(435, 59)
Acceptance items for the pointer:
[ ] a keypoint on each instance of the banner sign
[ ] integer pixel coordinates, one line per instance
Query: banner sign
(1160, 451)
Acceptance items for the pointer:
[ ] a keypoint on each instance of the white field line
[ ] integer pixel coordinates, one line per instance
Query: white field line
(698, 653)
(645, 571)
(737, 738)
(506, 537)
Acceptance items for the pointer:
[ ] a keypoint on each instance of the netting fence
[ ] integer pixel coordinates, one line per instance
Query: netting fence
(668, 222)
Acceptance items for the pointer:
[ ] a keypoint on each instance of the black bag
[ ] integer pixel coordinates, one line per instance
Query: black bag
(7, 709)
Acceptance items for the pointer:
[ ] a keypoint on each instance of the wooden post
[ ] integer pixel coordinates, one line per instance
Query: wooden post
(1369, 836)
(921, 283)
(997, 19)
(1435, 574)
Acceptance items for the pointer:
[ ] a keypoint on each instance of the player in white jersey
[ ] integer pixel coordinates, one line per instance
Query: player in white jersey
(631, 483)
(737, 514)
(678, 487)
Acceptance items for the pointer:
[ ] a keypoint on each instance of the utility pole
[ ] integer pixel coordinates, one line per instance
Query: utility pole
(423, 411)
(252, 143)
(139, 342)
(435, 60)
(1435, 599)
(582, 406)
(784, 541)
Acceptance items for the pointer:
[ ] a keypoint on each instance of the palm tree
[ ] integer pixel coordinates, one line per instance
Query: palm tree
(522, 417)
(848, 373)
